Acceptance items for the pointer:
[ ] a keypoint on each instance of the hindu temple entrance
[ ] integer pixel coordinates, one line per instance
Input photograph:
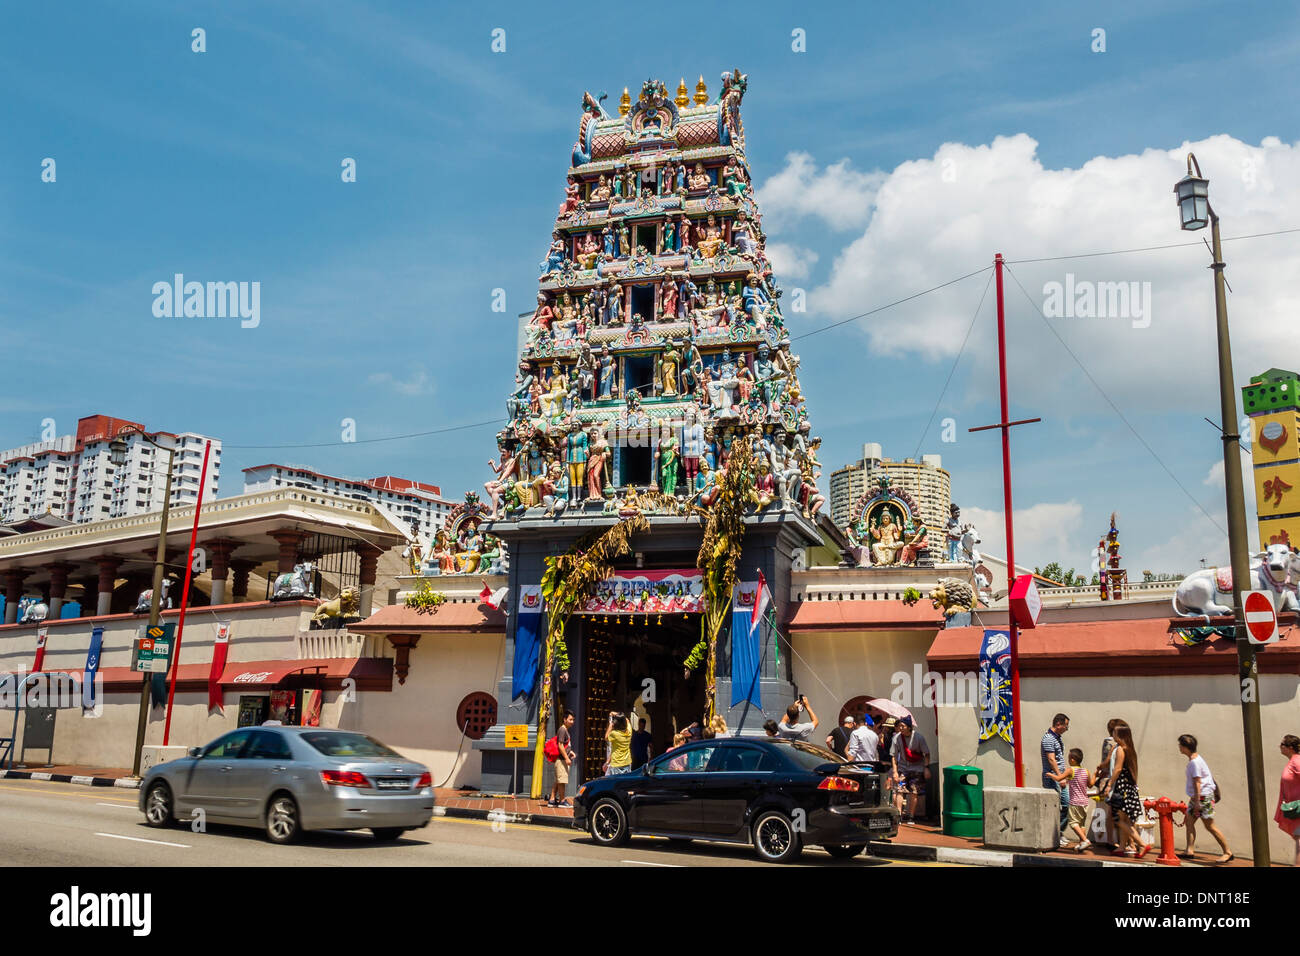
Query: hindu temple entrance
(633, 664)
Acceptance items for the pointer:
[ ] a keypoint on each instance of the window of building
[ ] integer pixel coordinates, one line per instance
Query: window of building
(476, 713)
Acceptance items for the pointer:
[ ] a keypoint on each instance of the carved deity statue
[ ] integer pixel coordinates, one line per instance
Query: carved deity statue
(888, 539)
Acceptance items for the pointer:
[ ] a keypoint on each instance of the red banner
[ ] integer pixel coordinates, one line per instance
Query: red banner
(219, 647)
(648, 592)
(41, 634)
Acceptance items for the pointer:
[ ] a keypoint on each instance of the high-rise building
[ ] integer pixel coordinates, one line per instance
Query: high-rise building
(72, 477)
(925, 480)
(407, 500)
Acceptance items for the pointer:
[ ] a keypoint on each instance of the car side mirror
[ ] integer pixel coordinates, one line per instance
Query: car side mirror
(196, 752)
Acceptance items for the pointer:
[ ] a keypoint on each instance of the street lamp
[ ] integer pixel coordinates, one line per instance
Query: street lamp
(1195, 211)
(117, 456)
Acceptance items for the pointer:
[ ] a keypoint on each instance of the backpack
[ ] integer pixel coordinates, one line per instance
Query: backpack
(551, 749)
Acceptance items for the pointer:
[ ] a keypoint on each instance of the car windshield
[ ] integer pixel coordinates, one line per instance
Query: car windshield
(334, 744)
(809, 756)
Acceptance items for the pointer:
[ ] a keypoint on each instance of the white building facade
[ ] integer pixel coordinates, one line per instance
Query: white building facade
(409, 501)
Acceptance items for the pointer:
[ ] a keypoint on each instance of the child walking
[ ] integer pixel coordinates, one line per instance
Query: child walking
(1080, 780)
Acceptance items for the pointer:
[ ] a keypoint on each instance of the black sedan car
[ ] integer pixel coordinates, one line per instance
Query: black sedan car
(779, 795)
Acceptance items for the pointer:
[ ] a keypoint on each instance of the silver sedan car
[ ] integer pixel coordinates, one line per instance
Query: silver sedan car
(290, 779)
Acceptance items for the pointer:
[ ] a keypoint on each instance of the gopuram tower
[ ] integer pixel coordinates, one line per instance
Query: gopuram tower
(656, 407)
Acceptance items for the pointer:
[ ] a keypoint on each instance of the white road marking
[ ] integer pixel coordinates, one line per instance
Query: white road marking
(123, 806)
(648, 863)
(118, 836)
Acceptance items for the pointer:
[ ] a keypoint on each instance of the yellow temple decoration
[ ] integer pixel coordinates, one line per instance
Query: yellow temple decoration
(682, 100)
(701, 92)
(625, 103)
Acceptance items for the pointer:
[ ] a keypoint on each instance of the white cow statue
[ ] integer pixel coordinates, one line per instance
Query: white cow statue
(967, 552)
(32, 610)
(1275, 569)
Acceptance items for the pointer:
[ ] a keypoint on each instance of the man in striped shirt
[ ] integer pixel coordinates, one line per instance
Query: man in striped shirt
(1054, 769)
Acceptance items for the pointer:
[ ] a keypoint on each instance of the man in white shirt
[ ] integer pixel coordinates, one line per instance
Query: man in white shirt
(864, 744)
(1201, 797)
(790, 728)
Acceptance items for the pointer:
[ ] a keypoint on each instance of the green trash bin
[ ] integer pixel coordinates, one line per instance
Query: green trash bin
(963, 801)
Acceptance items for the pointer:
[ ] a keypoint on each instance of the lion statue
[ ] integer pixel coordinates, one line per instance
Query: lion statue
(345, 605)
(952, 596)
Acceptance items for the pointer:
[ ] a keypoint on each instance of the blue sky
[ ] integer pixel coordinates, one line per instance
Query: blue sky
(376, 295)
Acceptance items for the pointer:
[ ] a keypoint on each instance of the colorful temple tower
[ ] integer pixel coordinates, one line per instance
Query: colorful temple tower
(1272, 402)
(658, 349)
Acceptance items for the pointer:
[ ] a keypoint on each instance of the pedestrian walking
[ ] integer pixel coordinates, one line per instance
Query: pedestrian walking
(642, 747)
(1055, 771)
(1123, 796)
(1287, 814)
(1107, 765)
(864, 744)
(619, 736)
(790, 727)
(563, 761)
(1077, 783)
(1202, 795)
(910, 756)
(837, 741)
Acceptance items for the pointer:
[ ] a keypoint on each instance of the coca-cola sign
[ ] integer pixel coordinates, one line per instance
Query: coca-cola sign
(251, 677)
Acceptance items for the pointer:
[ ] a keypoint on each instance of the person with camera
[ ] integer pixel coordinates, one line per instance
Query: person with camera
(619, 735)
(790, 728)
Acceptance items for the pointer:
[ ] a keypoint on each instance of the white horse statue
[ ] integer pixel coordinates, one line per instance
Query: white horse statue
(967, 552)
(294, 584)
(1276, 569)
(145, 601)
(32, 610)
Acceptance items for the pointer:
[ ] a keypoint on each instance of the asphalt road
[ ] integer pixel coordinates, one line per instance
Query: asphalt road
(55, 824)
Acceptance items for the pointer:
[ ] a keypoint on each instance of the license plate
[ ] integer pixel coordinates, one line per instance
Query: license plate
(878, 823)
(392, 783)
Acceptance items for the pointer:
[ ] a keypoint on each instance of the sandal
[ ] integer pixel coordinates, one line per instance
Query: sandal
(1146, 848)
(1226, 858)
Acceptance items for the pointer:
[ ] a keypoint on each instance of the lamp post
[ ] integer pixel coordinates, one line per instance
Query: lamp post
(117, 455)
(1195, 212)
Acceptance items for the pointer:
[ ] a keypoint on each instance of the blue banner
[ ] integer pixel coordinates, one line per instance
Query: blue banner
(745, 658)
(528, 641)
(994, 704)
(92, 668)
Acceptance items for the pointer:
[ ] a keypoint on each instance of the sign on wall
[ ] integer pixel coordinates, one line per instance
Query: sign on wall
(648, 592)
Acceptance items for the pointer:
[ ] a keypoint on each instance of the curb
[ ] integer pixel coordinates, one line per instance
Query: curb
(496, 814)
(84, 781)
(972, 857)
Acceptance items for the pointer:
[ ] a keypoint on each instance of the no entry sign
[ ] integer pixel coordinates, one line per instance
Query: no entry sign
(1261, 617)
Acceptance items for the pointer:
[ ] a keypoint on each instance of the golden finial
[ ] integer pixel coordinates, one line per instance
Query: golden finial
(682, 99)
(701, 92)
(625, 103)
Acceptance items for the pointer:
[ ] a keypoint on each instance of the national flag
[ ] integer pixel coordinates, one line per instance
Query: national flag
(761, 600)
(220, 645)
(528, 643)
(41, 635)
(492, 599)
(92, 668)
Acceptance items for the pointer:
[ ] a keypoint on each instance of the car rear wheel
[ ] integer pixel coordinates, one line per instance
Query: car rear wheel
(775, 838)
(158, 806)
(842, 851)
(608, 823)
(282, 821)
(387, 834)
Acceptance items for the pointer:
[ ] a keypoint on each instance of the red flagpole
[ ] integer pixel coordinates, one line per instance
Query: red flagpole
(185, 594)
(1014, 632)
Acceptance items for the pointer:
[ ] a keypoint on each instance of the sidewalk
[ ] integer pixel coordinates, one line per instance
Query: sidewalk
(915, 841)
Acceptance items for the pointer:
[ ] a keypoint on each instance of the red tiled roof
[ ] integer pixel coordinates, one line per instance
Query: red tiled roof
(452, 616)
(370, 673)
(1099, 648)
(863, 615)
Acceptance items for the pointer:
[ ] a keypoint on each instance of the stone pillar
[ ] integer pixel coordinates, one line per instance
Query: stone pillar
(369, 555)
(288, 539)
(107, 577)
(219, 563)
(58, 587)
(241, 567)
(13, 592)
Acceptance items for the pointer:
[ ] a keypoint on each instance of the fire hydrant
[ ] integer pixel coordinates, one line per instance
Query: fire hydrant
(1165, 809)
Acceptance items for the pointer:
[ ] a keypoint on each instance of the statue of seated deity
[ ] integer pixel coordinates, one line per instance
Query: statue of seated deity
(600, 193)
(698, 179)
(888, 541)
(709, 245)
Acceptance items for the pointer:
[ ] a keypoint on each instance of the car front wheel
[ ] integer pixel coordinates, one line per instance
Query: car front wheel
(282, 821)
(608, 823)
(158, 806)
(843, 852)
(775, 838)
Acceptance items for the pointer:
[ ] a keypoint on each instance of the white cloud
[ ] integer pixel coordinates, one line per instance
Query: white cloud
(418, 384)
(930, 220)
(1045, 532)
(790, 261)
(837, 195)
(1215, 475)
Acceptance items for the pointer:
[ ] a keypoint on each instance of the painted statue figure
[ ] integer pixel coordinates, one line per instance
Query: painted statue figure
(742, 236)
(765, 485)
(614, 305)
(32, 610)
(570, 199)
(698, 179)
(952, 534)
(712, 241)
(667, 299)
(292, 584)
(554, 256)
(606, 378)
(670, 236)
(554, 490)
(506, 472)
(731, 180)
(888, 540)
(968, 553)
(755, 298)
(576, 453)
(914, 541)
(145, 599)
(692, 446)
(668, 368)
(597, 463)
(669, 457)
(1276, 569)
